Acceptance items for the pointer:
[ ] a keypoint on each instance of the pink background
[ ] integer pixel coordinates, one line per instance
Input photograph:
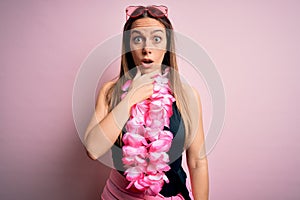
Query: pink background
(255, 46)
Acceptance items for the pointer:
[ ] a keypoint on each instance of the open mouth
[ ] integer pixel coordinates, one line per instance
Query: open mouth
(147, 61)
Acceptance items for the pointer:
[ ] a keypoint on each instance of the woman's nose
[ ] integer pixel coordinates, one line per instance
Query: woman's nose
(147, 49)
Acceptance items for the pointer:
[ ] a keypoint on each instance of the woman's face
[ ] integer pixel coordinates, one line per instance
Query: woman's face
(148, 42)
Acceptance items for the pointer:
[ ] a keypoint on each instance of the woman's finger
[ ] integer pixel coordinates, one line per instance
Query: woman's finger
(152, 74)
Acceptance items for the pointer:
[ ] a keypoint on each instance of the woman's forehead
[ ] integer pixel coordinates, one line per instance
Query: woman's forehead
(148, 30)
(147, 22)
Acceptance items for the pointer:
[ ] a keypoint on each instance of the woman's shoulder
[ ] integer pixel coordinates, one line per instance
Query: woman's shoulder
(106, 86)
(104, 92)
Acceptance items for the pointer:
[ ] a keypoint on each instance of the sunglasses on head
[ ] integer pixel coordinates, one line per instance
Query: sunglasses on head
(155, 11)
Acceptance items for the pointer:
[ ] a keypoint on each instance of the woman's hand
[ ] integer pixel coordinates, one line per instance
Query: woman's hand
(141, 87)
(104, 128)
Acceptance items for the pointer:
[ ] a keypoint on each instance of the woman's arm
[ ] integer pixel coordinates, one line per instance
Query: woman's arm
(104, 128)
(196, 155)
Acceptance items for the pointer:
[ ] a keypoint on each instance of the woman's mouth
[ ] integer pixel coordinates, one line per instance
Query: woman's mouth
(147, 63)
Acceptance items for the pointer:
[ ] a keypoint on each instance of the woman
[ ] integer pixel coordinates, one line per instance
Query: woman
(148, 117)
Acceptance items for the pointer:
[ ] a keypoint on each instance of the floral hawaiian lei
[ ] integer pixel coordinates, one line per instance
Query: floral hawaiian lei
(146, 143)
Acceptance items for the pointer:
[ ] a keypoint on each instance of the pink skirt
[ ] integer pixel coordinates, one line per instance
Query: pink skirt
(115, 188)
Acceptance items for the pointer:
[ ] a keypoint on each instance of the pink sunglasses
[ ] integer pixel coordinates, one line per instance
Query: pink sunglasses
(155, 11)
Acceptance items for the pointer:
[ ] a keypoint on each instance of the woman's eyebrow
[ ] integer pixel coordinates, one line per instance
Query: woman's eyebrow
(136, 31)
(157, 30)
(154, 31)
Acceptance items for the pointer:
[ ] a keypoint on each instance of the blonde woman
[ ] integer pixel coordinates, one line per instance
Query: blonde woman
(148, 117)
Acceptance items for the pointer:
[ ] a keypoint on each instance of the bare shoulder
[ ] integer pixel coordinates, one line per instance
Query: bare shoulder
(106, 86)
(101, 102)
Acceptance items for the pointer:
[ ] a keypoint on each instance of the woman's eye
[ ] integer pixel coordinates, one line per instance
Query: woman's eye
(157, 39)
(137, 39)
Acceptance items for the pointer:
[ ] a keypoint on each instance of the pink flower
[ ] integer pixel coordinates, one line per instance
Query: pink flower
(142, 184)
(167, 135)
(146, 143)
(151, 169)
(160, 145)
(160, 89)
(123, 95)
(152, 134)
(161, 80)
(156, 114)
(168, 100)
(134, 126)
(134, 140)
(126, 85)
(154, 189)
(167, 70)
(137, 160)
(138, 110)
(134, 173)
(157, 123)
(134, 151)
(162, 167)
(159, 156)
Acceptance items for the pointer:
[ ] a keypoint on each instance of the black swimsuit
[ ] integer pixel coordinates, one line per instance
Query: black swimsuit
(176, 174)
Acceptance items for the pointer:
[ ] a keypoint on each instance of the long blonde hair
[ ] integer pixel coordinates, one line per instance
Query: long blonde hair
(127, 71)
